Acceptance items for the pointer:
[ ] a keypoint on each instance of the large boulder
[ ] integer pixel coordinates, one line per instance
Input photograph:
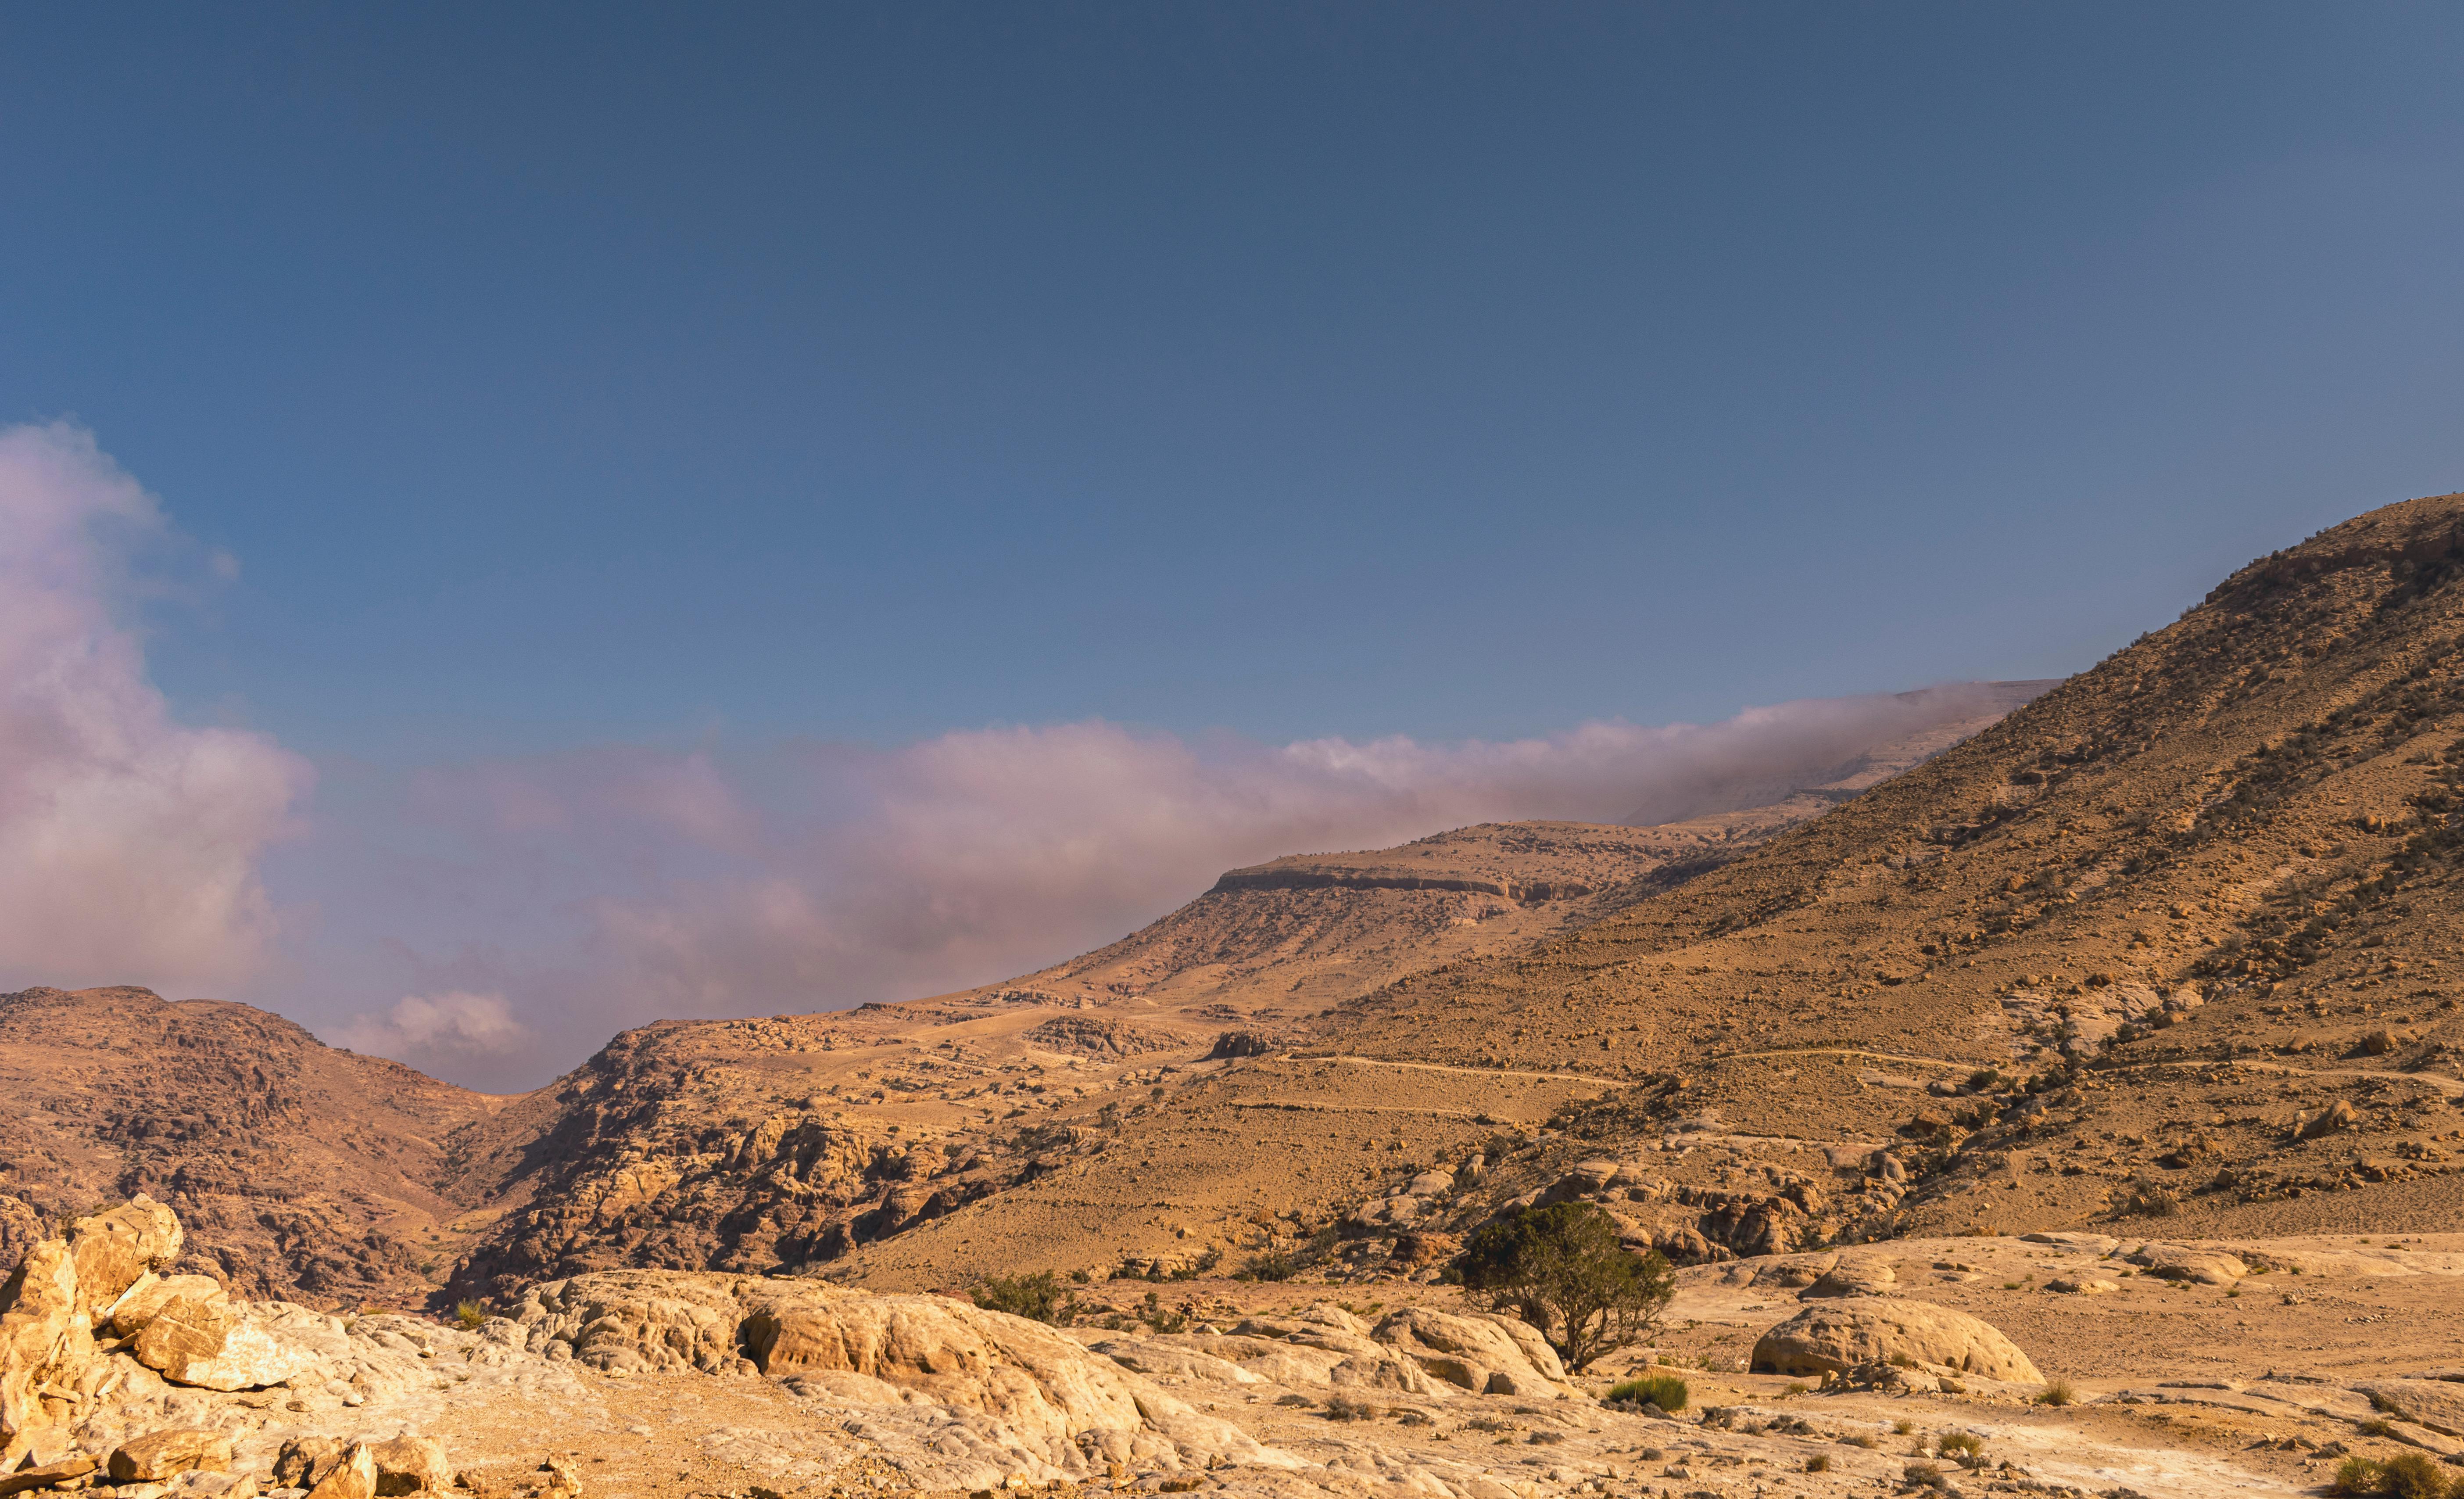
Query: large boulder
(149, 1294)
(213, 1345)
(2181, 1262)
(113, 1248)
(1834, 1337)
(1485, 1354)
(159, 1455)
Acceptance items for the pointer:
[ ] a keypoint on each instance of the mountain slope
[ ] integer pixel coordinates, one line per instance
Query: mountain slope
(300, 1170)
(2172, 938)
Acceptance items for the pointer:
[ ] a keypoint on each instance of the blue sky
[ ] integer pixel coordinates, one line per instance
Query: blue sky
(566, 374)
(569, 379)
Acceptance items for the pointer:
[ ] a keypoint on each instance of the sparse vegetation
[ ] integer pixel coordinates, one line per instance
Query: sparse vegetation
(1037, 1297)
(2355, 1476)
(1663, 1390)
(2058, 1392)
(1819, 1462)
(470, 1314)
(2412, 1476)
(1562, 1269)
(1922, 1475)
(1964, 1447)
(1274, 1263)
(1343, 1407)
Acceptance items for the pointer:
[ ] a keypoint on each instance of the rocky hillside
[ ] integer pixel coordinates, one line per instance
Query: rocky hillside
(300, 1169)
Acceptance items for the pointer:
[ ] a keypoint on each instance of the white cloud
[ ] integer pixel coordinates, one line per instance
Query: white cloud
(695, 885)
(129, 842)
(450, 1027)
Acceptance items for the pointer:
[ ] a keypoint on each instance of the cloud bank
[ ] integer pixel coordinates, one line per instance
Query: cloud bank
(805, 877)
(495, 921)
(129, 844)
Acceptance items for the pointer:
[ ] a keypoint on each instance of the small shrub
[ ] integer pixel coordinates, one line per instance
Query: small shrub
(1819, 1462)
(1795, 1387)
(1294, 1400)
(1343, 1407)
(470, 1315)
(1922, 1475)
(1274, 1263)
(2355, 1475)
(2057, 1393)
(1902, 1427)
(2378, 1428)
(1036, 1297)
(1411, 1416)
(1866, 1439)
(1964, 1447)
(1663, 1390)
(1902, 1361)
(2412, 1476)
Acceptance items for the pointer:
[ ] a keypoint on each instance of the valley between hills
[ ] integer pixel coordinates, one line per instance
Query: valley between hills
(2120, 1014)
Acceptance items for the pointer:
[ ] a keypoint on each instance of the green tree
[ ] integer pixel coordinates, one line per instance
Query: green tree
(1562, 1269)
(1038, 1296)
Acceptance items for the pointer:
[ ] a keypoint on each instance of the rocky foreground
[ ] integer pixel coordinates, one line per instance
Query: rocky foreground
(116, 1376)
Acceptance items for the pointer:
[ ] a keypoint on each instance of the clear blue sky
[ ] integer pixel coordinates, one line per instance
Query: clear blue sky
(568, 374)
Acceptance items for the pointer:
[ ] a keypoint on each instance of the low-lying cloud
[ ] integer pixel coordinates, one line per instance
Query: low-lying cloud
(495, 921)
(129, 844)
(803, 878)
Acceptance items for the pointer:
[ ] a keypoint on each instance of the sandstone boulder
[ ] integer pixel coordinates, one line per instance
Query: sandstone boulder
(409, 1465)
(44, 1340)
(1480, 1353)
(49, 1475)
(353, 1476)
(1835, 1337)
(149, 1294)
(161, 1454)
(639, 1321)
(214, 1345)
(183, 1331)
(113, 1248)
(2180, 1262)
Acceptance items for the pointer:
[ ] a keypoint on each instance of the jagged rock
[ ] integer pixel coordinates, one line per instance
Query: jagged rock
(1239, 1044)
(48, 1475)
(1481, 1354)
(409, 1464)
(2337, 1115)
(150, 1294)
(44, 1338)
(561, 1482)
(160, 1454)
(353, 1476)
(304, 1461)
(113, 1248)
(1835, 1337)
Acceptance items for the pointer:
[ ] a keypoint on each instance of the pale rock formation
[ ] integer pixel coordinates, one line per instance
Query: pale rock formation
(1835, 1337)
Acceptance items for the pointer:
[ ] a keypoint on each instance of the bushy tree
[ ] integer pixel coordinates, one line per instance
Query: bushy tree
(1038, 1296)
(1562, 1269)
